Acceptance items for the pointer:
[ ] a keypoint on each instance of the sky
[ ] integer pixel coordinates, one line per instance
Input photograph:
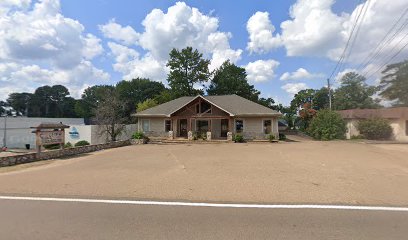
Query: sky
(285, 46)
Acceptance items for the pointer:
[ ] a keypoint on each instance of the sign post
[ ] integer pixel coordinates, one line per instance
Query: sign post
(49, 134)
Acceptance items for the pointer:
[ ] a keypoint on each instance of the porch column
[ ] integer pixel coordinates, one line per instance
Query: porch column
(230, 129)
(209, 135)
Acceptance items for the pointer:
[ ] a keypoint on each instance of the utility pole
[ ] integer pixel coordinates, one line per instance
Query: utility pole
(5, 131)
(330, 95)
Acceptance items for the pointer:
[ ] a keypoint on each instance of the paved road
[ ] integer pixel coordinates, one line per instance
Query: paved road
(75, 220)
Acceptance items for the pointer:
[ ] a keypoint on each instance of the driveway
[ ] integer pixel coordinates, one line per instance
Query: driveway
(299, 172)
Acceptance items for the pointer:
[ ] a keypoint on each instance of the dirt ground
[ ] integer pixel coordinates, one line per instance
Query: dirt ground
(298, 172)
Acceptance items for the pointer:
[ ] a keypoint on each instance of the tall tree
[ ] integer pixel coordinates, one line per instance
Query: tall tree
(109, 114)
(136, 91)
(354, 93)
(231, 79)
(85, 107)
(187, 70)
(302, 97)
(2, 107)
(394, 83)
(20, 102)
(321, 99)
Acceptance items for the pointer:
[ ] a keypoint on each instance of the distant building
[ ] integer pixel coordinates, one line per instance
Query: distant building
(398, 118)
(216, 117)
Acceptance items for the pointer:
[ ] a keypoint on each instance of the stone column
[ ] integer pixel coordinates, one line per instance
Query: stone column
(171, 135)
(190, 135)
(229, 136)
(208, 136)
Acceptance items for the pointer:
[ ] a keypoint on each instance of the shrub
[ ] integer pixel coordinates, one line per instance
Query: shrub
(82, 143)
(138, 135)
(327, 125)
(375, 129)
(282, 137)
(68, 145)
(238, 138)
(52, 147)
(271, 138)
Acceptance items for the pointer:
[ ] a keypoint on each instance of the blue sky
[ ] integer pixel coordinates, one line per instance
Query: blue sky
(284, 45)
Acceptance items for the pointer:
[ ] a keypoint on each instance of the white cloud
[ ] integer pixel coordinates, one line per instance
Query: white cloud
(261, 70)
(294, 88)
(38, 46)
(92, 47)
(126, 35)
(300, 74)
(339, 75)
(179, 27)
(315, 30)
(131, 65)
(260, 29)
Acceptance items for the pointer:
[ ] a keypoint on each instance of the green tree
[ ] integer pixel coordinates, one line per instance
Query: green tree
(187, 69)
(302, 97)
(164, 96)
(231, 79)
(321, 99)
(92, 96)
(394, 83)
(354, 93)
(327, 125)
(47, 101)
(136, 91)
(20, 102)
(2, 106)
(149, 103)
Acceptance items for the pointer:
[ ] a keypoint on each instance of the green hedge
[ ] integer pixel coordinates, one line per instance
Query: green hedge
(82, 143)
(375, 129)
(327, 125)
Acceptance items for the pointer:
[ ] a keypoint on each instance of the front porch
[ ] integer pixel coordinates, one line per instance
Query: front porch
(205, 128)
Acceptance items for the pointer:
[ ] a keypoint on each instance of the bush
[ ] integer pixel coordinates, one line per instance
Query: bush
(82, 143)
(138, 135)
(327, 125)
(68, 145)
(375, 129)
(282, 137)
(238, 138)
(52, 147)
(271, 138)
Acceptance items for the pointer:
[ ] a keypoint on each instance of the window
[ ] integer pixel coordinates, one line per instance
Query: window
(267, 125)
(167, 125)
(146, 125)
(202, 126)
(239, 126)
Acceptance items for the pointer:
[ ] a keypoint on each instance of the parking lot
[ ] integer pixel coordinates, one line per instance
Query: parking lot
(299, 172)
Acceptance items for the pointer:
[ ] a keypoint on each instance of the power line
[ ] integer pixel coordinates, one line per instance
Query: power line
(392, 57)
(377, 53)
(365, 7)
(382, 42)
(348, 42)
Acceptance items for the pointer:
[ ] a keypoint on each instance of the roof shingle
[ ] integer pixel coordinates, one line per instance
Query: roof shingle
(232, 104)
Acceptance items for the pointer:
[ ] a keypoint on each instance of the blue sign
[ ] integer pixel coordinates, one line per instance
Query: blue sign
(74, 133)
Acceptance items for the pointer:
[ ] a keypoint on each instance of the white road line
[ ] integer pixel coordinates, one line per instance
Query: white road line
(218, 205)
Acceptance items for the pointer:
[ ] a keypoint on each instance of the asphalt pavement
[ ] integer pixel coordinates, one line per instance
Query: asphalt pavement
(21, 219)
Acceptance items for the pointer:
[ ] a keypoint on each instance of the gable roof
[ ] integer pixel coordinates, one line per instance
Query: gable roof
(231, 104)
(388, 113)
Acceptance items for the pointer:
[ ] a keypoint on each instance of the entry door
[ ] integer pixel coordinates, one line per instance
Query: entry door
(183, 127)
(224, 127)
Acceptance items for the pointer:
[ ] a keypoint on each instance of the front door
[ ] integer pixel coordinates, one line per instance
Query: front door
(183, 127)
(224, 127)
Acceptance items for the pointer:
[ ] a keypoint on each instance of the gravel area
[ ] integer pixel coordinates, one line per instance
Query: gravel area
(300, 172)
